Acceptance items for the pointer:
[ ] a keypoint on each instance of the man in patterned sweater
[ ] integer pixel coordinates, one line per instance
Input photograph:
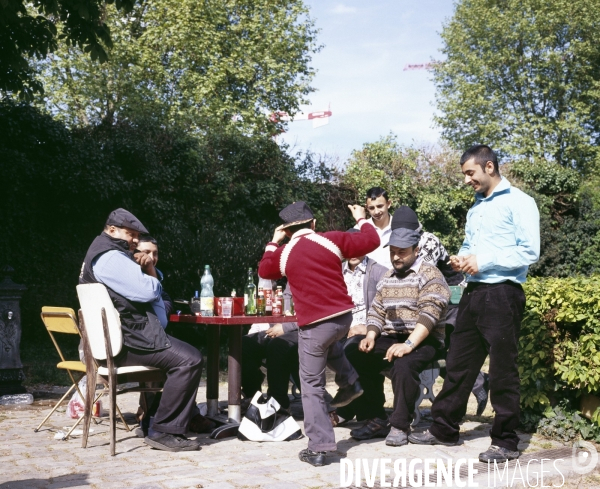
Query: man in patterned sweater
(404, 331)
(312, 263)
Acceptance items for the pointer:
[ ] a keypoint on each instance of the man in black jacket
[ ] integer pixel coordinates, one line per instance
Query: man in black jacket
(137, 295)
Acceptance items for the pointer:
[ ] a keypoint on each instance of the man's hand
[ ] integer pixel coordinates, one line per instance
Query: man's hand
(145, 261)
(275, 331)
(456, 263)
(358, 329)
(397, 350)
(279, 235)
(358, 212)
(367, 344)
(469, 264)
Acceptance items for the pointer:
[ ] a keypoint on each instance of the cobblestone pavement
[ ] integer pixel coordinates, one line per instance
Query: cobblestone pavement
(37, 460)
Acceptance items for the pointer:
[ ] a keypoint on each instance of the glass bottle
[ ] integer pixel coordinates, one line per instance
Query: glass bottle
(278, 302)
(260, 302)
(250, 296)
(267, 286)
(207, 296)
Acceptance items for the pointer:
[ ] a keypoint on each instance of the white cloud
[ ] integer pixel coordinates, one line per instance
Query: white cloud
(340, 8)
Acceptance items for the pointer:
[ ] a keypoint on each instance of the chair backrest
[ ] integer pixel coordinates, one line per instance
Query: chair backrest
(92, 298)
(60, 319)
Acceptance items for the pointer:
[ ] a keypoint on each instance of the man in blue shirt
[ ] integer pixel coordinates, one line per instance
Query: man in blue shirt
(132, 284)
(502, 240)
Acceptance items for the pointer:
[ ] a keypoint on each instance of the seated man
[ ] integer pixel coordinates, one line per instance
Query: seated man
(134, 290)
(403, 331)
(278, 346)
(199, 424)
(361, 274)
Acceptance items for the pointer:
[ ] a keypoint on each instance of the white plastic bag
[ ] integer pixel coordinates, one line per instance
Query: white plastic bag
(76, 407)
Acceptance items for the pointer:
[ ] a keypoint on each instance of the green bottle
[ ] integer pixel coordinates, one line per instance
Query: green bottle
(250, 295)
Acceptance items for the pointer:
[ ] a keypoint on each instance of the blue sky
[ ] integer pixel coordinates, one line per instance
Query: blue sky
(360, 72)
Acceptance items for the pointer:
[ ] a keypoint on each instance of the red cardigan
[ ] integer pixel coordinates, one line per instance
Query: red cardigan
(312, 263)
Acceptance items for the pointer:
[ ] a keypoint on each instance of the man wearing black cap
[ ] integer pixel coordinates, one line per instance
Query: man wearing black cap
(134, 289)
(312, 263)
(404, 331)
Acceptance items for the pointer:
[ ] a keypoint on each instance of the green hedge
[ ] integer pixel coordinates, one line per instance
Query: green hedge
(559, 346)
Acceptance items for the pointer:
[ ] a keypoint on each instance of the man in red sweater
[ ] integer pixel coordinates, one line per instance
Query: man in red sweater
(312, 263)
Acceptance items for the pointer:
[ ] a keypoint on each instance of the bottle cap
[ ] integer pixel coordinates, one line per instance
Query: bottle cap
(206, 266)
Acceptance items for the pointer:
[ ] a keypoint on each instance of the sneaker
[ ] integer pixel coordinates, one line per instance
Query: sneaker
(396, 438)
(427, 438)
(316, 459)
(482, 395)
(200, 424)
(171, 443)
(499, 454)
(373, 428)
(345, 395)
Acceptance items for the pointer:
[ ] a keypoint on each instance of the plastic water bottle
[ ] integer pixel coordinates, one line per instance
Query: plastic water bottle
(207, 296)
(13, 399)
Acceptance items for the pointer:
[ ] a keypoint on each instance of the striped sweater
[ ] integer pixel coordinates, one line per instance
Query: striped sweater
(419, 297)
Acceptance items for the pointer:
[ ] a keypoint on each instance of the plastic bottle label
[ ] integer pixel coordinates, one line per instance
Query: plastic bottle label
(207, 305)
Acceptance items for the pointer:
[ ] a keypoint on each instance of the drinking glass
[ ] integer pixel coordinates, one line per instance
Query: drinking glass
(227, 306)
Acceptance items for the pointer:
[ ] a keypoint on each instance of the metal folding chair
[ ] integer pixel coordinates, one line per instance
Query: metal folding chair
(62, 320)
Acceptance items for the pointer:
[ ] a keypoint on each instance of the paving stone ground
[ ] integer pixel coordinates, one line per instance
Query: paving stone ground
(37, 460)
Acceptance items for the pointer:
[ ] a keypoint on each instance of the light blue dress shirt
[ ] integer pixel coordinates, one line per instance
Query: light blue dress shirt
(123, 275)
(503, 231)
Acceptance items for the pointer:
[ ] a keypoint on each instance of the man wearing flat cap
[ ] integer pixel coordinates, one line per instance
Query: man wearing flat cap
(404, 332)
(135, 291)
(312, 263)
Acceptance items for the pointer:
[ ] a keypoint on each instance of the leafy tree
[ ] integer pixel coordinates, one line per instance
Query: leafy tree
(27, 33)
(193, 64)
(524, 77)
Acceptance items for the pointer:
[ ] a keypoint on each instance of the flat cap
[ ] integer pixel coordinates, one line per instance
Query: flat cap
(405, 217)
(404, 238)
(124, 219)
(296, 213)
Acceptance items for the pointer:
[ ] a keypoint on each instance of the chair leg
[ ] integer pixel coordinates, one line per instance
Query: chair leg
(112, 385)
(122, 418)
(55, 407)
(91, 388)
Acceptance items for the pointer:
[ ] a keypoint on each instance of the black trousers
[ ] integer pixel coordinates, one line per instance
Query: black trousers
(281, 359)
(404, 375)
(183, 366)
(489, 321)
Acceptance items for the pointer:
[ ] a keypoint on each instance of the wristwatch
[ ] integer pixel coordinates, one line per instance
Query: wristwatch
(410, 343)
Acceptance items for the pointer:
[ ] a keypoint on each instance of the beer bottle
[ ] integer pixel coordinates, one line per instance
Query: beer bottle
(250, 296)
(260, 303)
(278, 302)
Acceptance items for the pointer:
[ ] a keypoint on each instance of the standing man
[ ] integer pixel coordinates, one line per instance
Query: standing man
(502, 240)
(378, 206)
(312, 263)
(133, 288)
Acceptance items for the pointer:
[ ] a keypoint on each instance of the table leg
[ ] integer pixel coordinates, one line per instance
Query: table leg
(212, 370)
(235, 373)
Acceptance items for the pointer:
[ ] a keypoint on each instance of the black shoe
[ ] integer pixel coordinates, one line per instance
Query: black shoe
(313, 458)
(482, 395)
(499, 454)
(427, 438)
(171, 443)
(373, 428)
(345, 395)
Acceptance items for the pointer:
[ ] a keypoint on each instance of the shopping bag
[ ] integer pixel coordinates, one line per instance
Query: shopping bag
(264, 422)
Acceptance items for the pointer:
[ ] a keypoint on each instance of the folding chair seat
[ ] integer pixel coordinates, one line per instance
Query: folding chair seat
(100, 327)
(62, 320)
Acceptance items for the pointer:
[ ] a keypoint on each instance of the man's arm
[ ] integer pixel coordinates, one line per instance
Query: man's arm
(120, 273)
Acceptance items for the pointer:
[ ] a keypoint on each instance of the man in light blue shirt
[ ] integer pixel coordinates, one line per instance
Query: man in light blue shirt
(502, 240)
